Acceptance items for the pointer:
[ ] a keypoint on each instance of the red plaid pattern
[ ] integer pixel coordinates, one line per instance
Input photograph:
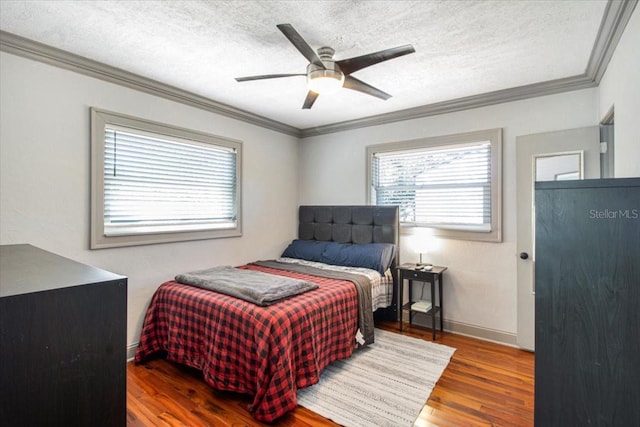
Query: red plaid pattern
(268, 352)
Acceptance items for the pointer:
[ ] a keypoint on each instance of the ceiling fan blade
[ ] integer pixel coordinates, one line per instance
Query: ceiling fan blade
(360, 86)
(309, 100)
(351, 65)
(300, 44)
(266, 76)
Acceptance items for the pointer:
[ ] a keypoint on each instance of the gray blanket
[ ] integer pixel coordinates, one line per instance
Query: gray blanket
(254, 286)
(362, 284)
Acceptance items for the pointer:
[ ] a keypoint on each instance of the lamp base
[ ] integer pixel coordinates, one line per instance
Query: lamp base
(423, 264)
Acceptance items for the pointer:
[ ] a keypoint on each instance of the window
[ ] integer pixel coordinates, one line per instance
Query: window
(153, 183)
(451, 184)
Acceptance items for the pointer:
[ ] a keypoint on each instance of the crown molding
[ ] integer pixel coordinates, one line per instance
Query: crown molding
(27, 48)
(614, 21)
(617, 14)
(459, 104)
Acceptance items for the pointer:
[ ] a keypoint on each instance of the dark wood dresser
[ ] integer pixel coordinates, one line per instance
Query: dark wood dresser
(62, 341)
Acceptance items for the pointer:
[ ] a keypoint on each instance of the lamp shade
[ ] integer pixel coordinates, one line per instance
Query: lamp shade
(423, 244)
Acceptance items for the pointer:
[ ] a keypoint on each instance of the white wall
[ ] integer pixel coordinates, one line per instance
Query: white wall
(45, 181)
(44, 177)
(480, 285)
(620, 88)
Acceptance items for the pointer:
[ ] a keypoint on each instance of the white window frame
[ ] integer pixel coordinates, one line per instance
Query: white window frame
(100, 120)
(494, 136)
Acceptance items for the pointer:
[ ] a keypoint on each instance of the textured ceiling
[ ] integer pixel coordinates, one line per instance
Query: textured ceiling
(463, 48)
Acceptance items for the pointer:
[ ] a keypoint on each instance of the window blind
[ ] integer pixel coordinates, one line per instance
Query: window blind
(156, 184)
(445, 186)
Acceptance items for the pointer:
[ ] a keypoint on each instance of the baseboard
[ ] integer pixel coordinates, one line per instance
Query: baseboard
(131, 351)
(465, 329)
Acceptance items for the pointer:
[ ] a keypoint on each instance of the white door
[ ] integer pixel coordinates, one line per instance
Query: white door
(567, 154)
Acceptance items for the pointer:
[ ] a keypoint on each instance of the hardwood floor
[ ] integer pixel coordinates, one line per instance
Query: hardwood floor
(485, 384)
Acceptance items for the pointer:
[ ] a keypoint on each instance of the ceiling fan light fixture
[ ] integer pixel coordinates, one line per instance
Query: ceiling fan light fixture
(324, 74)
(324, 81)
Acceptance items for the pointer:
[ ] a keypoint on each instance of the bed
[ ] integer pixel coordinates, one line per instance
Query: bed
(271, 351)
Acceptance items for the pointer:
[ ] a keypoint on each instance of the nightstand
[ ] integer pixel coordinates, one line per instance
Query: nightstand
(410, 273)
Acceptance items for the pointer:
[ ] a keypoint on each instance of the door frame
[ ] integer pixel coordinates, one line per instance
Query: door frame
(584, 139)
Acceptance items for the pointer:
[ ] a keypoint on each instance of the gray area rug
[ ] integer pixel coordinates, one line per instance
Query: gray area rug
(384, 384)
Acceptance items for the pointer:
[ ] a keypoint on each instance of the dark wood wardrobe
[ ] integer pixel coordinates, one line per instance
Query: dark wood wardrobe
(587, 296)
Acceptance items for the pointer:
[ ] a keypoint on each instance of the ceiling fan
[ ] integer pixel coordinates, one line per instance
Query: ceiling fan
(325, 75)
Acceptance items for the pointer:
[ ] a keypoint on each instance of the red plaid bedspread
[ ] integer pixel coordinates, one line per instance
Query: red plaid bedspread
(268, 352)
